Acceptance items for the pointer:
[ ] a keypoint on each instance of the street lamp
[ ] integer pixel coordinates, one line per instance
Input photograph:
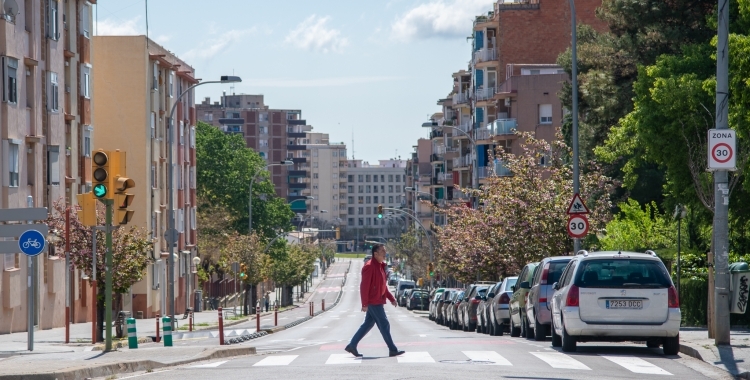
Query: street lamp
(250, 200)
(474, 174)
(171, 231)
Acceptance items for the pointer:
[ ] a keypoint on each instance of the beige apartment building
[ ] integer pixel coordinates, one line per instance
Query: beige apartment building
(46, 127)
(137, 84)
(327, 180)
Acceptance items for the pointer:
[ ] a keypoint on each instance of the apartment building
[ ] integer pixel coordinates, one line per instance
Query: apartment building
(419, 178)
(46, 142)
(327, 183)
(137, 83)
(511, 85)
(368, 186)
(276, 135)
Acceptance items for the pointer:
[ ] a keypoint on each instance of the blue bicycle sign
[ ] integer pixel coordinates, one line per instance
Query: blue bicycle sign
(32, 242)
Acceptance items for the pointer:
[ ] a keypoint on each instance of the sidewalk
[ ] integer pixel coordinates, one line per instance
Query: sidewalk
(53, 359)
(734, 358)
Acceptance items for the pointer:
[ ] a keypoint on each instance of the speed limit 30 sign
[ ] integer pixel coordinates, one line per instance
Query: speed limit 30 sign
(722, 149)
(578, 226)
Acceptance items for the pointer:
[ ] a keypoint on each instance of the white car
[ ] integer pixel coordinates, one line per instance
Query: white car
(616, 296)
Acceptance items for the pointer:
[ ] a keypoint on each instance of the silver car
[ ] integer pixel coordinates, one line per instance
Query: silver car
(616, 296)
(538, 313)
(499, 311)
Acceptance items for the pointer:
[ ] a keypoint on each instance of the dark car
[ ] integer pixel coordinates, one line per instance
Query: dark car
(418, 300)
(538, 307)
(452, 309)
(483, 310)
(469, 306)
(440, 314)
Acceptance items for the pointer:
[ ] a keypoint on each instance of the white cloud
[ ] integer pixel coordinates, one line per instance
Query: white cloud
(319, 82)
(439, 19)
(212, 47)
(163, 38)
(110, 27)
(313, 34)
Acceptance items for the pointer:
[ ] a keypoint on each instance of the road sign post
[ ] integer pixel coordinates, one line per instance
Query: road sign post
(722, 149)
(578, 226)
(108, 277)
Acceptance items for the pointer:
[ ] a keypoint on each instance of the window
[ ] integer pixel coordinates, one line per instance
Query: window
(315, 164)
(85, 11)
(153, 175)
(545, 114)
(315, 153)
(360, 199)
(367, 199)
(192, 137)
(367, 178)
(390, 188)
(334, 153)
(350, 200)
(382, 178)
(375, 178)
(382, 189)
(192, 218)
(369, 221)
(390, 199)
(53, 165)
(86, 82)
(369, 210)
(335, 176)
(335, 197)
(13, 165)
(335, 164)
(155, 76)
(360, 178)
(335, 186)
(375, 221)
(208, 116)
(350, 178)
(315, 208)
(360, 210)
(53, 94)
(315, 175)
(368, 188)
(263, 117)
(10, 93)
(350, 210)
(390, 177)
(263, 130)
(361, 188)
(351, 221)
(376, 188)
(375, 199)
(350, 189)
(53, 31)
(398, 178)
(171, 84)
(361, 222)
(398, 199)
(398, 188)
(263, 143)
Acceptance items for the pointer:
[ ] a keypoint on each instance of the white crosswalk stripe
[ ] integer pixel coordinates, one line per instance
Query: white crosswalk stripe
(636, 365)
(276, 360)
(343, 359)
(415, 357)
(209, 365)
(558, 360)
(487, 356)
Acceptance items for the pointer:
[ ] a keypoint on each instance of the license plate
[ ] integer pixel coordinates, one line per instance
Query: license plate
(624, 304)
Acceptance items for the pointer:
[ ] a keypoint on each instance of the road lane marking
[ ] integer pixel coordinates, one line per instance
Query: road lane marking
(558, 360)
(415, 357)
(343, 359)
(636, 365)
(485, 356)
(276, 360)
(209, 365)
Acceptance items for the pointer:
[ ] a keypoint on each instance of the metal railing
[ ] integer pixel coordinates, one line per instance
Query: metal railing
(459, 98)
(485, 54)
(485, 93)
(445, 176)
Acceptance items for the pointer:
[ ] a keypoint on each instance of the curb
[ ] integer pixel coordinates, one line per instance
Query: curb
(692, 352)
(130, 366)
(122, 343)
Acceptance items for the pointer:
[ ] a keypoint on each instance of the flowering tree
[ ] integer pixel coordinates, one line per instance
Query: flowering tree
(523, 216)
(247, 250)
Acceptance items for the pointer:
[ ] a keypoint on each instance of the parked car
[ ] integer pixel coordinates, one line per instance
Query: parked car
(468, 307)
(538, 312)
(452, 310)
(518, 300)
(393, 279)
(616, 296)
(401, 300)
(434, 294)
(440, 314)
(499, 308)
(419, 300)
(402, 285)
(483, 309)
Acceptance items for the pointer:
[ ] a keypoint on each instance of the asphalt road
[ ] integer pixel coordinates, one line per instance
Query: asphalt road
(315, 350)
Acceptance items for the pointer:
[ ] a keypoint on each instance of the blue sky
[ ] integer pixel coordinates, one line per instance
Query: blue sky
(374, 69)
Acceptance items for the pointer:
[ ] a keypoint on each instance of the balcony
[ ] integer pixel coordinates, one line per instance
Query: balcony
(462, 161)
(436, 134)
(485, 55)
(484, 93)
(460, 98)
(298, 186)
(435, 158)
(297, 134)
(501, 169)
(299, 160)
(296, 122)
(483, 172)
(424, 215)
(499, 127)
(296, 147)
(297, 173)
(517, 4)
(445, 177)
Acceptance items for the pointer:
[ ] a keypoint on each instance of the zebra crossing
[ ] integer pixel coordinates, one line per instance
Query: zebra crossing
(554, 360)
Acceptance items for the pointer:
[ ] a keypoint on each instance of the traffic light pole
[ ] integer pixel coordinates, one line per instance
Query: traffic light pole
(108, 277)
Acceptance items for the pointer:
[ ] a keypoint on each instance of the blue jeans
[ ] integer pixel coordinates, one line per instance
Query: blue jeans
(375, 316)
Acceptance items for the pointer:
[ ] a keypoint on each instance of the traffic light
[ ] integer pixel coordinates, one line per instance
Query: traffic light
(380, 211)
(243, 270)
(120, 185)
(87, 211)
(338, 233)
(100, 166)
(431, 269)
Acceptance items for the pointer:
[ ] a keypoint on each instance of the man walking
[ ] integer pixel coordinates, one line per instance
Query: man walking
(374, 291)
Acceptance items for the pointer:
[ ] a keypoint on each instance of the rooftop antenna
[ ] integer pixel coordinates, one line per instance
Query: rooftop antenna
(232, 86)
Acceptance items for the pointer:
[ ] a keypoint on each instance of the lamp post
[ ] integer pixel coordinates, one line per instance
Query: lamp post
(194, 271)
(171, 231)
(475, 173)
(574, 75)
(250, 199)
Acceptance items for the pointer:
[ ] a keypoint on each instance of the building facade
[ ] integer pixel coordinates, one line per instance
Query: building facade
(137, 85)
(328, 180)
(46, 127)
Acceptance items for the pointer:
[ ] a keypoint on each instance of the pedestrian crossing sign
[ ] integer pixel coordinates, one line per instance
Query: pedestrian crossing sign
(577, 206)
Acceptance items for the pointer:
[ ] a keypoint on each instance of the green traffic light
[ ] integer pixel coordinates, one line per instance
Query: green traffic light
(380, 216)
(100, 190)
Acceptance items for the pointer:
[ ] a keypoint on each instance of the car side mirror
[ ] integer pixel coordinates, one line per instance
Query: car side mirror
(525, 285)
(491, 295)
(513, 288)
(556, 286)
(478, 298)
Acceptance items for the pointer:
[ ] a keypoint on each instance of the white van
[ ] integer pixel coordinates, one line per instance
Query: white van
(403, 285)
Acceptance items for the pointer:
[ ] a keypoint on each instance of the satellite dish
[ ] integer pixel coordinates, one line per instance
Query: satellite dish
(10, 9)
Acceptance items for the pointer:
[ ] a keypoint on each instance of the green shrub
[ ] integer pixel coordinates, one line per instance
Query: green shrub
(694, 301)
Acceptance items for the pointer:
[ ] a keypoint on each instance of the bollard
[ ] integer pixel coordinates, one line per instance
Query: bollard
(257, 318)
(190, 321)
(158, 338)
(275, 315)
(221, 328)
(323, 304)
(167, 322)
(132, 336)
(312, 308)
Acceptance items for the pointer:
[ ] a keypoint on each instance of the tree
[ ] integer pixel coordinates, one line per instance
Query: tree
(290, 265)
(413, 248)
(247, 251)
(638, 229)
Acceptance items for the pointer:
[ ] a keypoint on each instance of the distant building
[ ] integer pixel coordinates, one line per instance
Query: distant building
(328, 180)
(369, 186)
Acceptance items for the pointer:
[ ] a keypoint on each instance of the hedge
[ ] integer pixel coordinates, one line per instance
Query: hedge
(694, 304)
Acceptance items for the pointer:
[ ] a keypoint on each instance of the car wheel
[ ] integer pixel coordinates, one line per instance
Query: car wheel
(499, 329)
(672, 345)
(514, 331)
(568, 342)
(540, 331)
(556, 339)
(524, 327)
(480, 328)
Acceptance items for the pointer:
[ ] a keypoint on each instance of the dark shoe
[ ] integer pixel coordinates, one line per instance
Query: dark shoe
(395, 353)
(353, 351)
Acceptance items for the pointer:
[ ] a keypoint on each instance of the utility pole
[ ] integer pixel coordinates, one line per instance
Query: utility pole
(108, 278)
(721, 187)
(574, 75)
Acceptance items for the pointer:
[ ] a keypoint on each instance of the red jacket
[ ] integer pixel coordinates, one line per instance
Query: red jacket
(374, 289)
